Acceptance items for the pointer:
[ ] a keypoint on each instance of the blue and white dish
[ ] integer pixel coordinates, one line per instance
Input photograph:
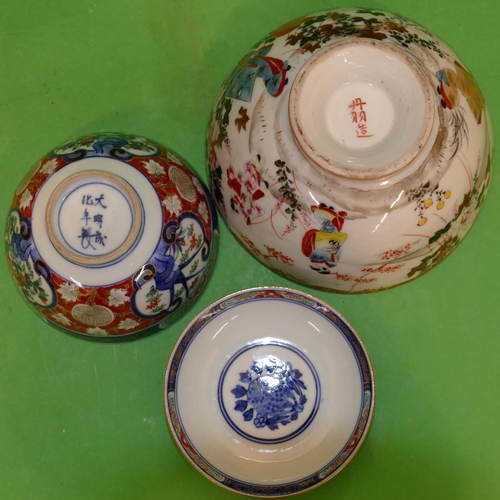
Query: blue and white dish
(269, 392)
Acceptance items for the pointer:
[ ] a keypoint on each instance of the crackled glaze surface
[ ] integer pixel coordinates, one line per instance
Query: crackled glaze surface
(269, 392)
(110, 237)
(342, 209)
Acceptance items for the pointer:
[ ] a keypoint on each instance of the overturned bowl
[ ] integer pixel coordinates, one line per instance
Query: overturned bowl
(350, 150)
(111, 237)
(269, 392)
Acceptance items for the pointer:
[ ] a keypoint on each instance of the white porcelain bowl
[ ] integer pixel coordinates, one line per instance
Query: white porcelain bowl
(110, 237)
(269, 392)
(350, 150)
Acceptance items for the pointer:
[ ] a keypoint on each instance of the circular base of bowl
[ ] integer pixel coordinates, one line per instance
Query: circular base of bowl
(94, 217)
(269, 392)
(77, 237)
(361, 109)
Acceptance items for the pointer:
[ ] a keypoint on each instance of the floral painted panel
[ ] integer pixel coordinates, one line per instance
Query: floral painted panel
(319, 230)
(138, 304)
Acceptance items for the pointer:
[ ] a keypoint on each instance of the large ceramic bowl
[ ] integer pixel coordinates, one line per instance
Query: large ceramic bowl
(269, 392)
(350, 150)
(110, 237)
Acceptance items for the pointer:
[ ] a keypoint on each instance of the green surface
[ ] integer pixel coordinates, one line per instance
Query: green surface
(80, 420)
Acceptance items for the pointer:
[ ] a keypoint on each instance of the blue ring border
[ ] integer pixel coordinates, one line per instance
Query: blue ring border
(366, 410)
(88, 184)
(309, 419)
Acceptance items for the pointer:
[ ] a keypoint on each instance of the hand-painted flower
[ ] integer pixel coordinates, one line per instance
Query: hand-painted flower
(173, 158)
(153, 167)
(49, 166)
(26, 199)
(60, 318)
(98, 332)
(127, 324)
(173, 204)
(117, 297)
(68, 292)
(202, 208)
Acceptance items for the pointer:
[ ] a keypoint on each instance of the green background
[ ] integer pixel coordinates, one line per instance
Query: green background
(81, 420)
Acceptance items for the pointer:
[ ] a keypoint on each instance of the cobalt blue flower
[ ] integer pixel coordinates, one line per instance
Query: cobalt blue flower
(248, 415)
(241, 405)
(239, 391)
(245, 377)
(260, 421)
(274, 393)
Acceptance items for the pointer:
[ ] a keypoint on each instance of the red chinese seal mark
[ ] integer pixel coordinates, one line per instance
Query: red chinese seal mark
(358, 116)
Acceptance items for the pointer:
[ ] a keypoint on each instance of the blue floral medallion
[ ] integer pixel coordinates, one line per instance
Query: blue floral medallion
(271, 393)
(239, 372)
(274, 395)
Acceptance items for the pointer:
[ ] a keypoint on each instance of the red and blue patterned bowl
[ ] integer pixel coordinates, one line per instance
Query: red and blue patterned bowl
(111, 237)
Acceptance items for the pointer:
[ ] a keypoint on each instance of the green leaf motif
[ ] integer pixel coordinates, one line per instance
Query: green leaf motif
(440, 233)
(153, 294)
(314, 32)
(32, 288)
(184, 257)
(371, 12)
(222, 112)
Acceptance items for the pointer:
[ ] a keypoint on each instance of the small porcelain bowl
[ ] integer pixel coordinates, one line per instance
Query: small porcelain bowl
(111, 237)
(269, 392)
(350, 150)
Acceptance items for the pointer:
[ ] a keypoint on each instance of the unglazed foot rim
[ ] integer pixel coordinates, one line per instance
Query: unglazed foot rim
(361, 109)
(81, 239)
(351, 221)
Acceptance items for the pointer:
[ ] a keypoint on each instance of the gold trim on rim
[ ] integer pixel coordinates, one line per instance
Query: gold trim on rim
(180, 446)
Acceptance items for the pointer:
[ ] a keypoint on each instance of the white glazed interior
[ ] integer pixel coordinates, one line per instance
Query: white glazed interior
(361, 109)
(268, 321)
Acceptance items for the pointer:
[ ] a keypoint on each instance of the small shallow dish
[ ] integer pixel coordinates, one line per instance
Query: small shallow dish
(269, 392)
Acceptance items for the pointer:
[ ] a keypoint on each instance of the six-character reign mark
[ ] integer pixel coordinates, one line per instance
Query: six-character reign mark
(87, 237)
